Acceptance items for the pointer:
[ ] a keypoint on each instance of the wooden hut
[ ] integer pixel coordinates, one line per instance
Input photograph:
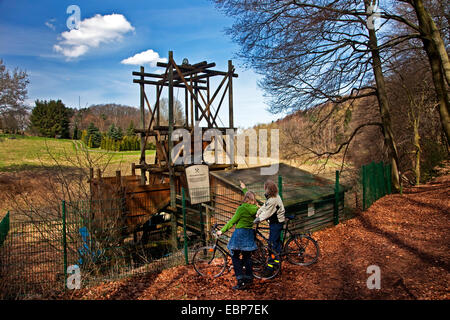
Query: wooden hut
(314, 200)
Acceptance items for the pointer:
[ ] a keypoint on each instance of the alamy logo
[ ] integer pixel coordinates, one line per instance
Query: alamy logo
(374, 280)
(226, 148)
(374, 14)
(73, 21)
(74, 278)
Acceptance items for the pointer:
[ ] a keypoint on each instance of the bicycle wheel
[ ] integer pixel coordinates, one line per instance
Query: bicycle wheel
(266, 264)
(302, 250)
(209, 262)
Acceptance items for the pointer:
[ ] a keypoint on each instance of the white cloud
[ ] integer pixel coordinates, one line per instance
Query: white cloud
(151, 57)
(50, 24)
(92, 33)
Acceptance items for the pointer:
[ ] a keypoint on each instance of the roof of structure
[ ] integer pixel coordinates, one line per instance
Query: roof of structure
(298, 185)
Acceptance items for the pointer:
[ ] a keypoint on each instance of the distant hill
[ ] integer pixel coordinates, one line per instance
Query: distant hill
(103, 115)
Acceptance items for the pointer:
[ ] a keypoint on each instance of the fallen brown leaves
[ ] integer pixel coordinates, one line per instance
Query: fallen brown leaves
(405, 235)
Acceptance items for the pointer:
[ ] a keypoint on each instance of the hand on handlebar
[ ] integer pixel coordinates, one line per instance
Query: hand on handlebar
(219, 233)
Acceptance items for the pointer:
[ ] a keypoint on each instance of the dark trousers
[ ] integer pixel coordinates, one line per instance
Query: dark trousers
(275, 237)
(239, 264)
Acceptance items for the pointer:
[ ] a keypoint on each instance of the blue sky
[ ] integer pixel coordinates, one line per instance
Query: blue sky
(34, 35)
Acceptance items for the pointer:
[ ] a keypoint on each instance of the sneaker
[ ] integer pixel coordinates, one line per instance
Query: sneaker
(241, 285)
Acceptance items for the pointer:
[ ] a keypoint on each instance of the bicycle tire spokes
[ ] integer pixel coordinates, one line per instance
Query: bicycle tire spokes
(209, 262)
(302, 250)
(266, 264)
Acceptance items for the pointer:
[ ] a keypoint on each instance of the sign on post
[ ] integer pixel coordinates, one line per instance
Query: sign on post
(198, 183)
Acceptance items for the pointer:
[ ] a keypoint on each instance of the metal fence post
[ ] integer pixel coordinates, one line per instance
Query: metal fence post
(372, 184)
(183, 204)
(336, 199)
(64, 240)
(280, 186)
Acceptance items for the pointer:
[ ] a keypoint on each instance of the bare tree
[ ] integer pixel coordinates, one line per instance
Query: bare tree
(312, 52)
(13, 92)
(413, 19)
(410, 88)
(178, 112)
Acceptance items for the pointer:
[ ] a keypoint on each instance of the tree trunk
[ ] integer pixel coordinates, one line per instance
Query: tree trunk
(383, 103)
(439, 86)
(438, 62)
(418, 151)
(425, 19)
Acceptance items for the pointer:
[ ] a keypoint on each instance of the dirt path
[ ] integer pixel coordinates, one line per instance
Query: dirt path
(406, 236)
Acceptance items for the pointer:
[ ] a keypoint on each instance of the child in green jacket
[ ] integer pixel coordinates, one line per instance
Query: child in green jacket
(242, 241)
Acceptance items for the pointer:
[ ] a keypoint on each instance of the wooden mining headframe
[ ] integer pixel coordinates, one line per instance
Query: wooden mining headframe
(198, 100)
(162, 180)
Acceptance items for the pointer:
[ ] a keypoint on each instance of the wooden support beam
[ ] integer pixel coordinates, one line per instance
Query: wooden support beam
(160, 76)
(159, 83)
(214, 96)
(221, 101)
(230, 93)
(190, 90)
(184, 66)
(192, 108)
(186, 107)
(163, 130)
(170, 142)
(157, 108)
(158, 94)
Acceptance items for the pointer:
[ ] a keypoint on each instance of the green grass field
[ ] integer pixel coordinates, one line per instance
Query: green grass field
(25, 152)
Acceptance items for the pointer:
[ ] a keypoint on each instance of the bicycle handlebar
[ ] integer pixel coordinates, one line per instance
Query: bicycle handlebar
(216, 227)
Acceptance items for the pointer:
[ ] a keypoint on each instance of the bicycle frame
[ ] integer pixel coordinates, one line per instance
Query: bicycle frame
(217, 244)
(286, 234)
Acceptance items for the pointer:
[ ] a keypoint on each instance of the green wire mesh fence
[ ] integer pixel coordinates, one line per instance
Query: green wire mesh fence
(376, 182)
(4, 228)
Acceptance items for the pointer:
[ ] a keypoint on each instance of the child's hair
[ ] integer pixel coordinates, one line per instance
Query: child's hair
(249, 197)
(270, 188)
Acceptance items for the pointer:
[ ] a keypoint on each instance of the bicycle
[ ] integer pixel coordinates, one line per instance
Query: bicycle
(299, 249)
(212, 261)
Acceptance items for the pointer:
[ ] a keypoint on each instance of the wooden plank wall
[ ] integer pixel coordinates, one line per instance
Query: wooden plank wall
(123, 198)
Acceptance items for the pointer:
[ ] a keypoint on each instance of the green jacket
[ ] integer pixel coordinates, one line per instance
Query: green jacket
(243, 217)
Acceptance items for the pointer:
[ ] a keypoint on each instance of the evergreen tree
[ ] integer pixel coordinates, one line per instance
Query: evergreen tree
(75, 132)
(111, 131)
(94, 134)
(51, 118)
(130, 130)
(119, 133)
